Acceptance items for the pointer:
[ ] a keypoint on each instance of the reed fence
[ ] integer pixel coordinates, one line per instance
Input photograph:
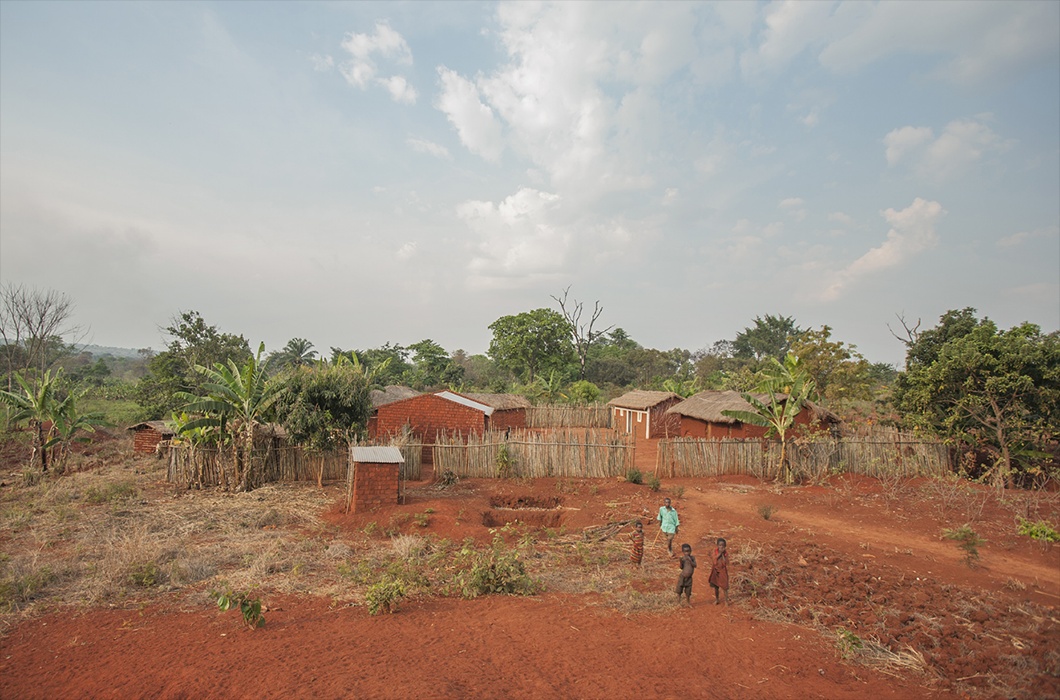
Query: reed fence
(563, 453)
(557, 416)
(210, 466)
(813, 460)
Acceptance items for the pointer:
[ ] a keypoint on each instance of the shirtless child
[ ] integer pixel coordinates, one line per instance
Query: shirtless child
(684, 581)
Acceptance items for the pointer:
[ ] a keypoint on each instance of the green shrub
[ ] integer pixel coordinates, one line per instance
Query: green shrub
(144, 574)
(385, 594)
(653, 483)
(505, 462)
(249, 608)
(1040, 530)
(497, 570)
(968, 540)
(634, 476)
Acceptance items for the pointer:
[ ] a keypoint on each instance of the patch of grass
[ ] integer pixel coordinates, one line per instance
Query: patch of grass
(113, 492)
(767, 511)
(849, 643)
(422, 519)
(968, 540)
(144, 574)
(635, 476)
(1039, 530)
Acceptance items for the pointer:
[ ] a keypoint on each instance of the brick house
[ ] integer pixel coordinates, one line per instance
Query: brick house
(430, 415)
(700, 416)
(381, 397)
(509, 410)
(644, 414)
(376, 478)
(148, 434)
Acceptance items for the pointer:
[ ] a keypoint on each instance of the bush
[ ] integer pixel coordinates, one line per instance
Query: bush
(497, 570)
(653, 483)
(766, 511)
(385, 594)
(634, 476)
(1039, 530)
(249, 608)
(968, 540)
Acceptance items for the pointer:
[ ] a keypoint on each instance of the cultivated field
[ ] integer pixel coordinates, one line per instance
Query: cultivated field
(844, 589)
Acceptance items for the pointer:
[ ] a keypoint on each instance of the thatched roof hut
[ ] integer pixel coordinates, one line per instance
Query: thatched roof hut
(642, 400)
(702, 415)
(642, 413)
(392, 393)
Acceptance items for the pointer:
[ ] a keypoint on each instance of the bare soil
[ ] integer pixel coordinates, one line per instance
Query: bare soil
(847, 590)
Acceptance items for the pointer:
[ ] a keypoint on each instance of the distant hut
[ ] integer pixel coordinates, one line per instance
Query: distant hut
(702, 416)
(509, 410)
(644, 413)
(148, 434)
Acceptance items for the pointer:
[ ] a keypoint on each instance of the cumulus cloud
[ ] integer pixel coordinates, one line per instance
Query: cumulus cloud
(1020, 237)
(475, 123)
(365, 50)
(322, 64)
(962, 144)
(912, 232)
(428, 147)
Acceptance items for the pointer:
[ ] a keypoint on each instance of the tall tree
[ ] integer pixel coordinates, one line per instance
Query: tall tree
(770, 336)
(33, 324)
(582, 335)
(296, 353)
(996, 390)
(531, 342)
(840, 372)
(432, 366)
(324, 405)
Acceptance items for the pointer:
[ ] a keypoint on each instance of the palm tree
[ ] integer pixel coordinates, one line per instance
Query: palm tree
(296, 353)
(36, 406)
(788, 388)
(236, 396)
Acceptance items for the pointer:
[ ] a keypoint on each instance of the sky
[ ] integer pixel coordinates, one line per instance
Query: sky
(363, 173)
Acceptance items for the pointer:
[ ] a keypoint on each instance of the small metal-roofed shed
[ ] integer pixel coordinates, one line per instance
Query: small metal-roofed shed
(374, 478)
(148, 434)
(643, 413)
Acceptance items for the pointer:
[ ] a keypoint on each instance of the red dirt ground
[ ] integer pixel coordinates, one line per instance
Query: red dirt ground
(854, 554)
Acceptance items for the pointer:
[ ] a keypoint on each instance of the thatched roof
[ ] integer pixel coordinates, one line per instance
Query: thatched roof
(381, 397)
(707, 406)
(157, 425)
(501, 402)
(639, 400)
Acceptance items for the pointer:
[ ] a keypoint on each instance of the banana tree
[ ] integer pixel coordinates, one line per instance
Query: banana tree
(35, 405)
(69, 426)
(786, 388)
(238, 397)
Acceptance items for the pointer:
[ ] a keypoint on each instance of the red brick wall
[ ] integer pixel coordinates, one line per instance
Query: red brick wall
(514, 419)
(693, 427)
(146, 440)
(374, 486)
(428, 416)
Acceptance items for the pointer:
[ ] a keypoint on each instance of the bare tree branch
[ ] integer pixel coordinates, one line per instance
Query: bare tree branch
(581, 336)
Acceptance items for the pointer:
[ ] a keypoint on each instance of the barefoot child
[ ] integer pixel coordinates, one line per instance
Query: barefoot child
(668, 524)
(637, 536)
(684, 580)
(719, 572)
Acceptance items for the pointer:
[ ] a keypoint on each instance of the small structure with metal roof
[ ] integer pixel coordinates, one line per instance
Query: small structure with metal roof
(374, 479)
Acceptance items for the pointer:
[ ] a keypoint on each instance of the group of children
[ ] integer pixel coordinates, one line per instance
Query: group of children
(669, 523)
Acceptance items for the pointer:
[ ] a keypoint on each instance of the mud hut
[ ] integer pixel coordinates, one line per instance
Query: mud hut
(644, 413)
(701, 416)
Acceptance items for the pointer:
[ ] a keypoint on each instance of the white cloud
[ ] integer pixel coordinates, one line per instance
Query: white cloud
(962, 144)
(841, 218)
(908, 138)
(475, 124)
(912, 232)
(670, 196)
(322, 64)
(428, 147)
(406, 251)
(791, 27)
(365, 49)
(1021, 237)
(794, 206)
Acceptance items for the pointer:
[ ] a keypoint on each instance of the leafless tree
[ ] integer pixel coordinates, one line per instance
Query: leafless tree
(31, 322)
(581, 335)
(911, 334)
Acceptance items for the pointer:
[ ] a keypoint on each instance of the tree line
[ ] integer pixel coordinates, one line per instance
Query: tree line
(995, 393)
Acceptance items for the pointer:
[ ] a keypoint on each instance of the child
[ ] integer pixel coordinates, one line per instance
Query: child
(684, 581)
(719, 572)
(668, 524)
(637, 536)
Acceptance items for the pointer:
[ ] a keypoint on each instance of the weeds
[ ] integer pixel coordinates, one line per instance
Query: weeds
(497, 570)
(767, 511)
(653, 483)
(968, 540)
(249, 608)
(386, 594)
(634, 476)
(114, 492)
(678, 491)
(1040, 530)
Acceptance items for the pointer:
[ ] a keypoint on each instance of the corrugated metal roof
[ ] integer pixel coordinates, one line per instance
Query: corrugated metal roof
(642, 400)
(470, 403)
(377, 455)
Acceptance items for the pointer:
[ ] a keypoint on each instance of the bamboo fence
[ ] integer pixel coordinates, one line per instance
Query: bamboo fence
(562, 453)
(899, 456)
(558, 416)
(206, 466)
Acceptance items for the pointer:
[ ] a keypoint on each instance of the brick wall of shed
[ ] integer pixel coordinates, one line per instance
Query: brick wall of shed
(514, 418)
(428, 416)
(374, 486)
(695, 428)
(146, 441)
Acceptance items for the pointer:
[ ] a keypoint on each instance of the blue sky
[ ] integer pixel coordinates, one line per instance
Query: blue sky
(362, 173)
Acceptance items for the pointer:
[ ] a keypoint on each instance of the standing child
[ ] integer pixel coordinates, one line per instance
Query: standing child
(684, 580)
(637, 536)
(668, 523)
(719, 572)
